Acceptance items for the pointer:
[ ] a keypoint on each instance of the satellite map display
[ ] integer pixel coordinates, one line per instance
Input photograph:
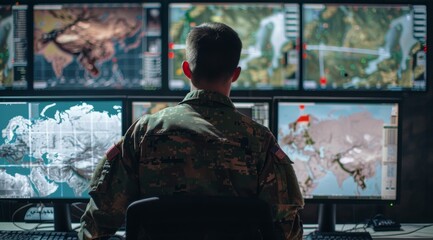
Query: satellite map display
(102, 46)
(50, 149)
(341, 150)
(268, 31)
(13, 47)
(364, 47)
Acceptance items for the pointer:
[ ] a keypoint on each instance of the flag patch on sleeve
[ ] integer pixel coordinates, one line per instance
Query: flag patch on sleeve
(112, 152)
(279, 153)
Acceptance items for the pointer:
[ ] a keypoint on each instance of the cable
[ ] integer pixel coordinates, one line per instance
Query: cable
(18, 210)
(76, 207)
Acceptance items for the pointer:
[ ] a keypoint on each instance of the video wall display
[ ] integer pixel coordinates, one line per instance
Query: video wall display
(130, 46)
(364, 47)
(269, 33)
(97, 46)
(13, 47)
(341, 150)
(49, 149)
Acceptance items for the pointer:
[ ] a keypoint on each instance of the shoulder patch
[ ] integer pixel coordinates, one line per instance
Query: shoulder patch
(279, 153)
(112, 152)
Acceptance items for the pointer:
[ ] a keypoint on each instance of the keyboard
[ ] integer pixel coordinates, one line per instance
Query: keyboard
(37, 235)
(339, 235)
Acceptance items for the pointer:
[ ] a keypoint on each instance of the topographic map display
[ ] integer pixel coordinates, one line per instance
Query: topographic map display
(364, 47)
(13, 46)
(103, 46)
(50, 149)
(269, 33)
(339, 150)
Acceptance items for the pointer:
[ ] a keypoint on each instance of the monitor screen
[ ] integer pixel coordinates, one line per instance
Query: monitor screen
(97, 46)
(49, 148)
(268, 31)
(342, 149)
(364, 47)
(13, 47)
(258, 111)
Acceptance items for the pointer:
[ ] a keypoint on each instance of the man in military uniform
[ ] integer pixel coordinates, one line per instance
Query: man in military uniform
(201, 146)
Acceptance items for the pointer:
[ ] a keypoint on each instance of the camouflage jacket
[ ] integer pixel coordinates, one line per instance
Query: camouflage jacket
(201, 146)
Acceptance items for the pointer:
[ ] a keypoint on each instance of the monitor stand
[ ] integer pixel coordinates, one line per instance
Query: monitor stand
(327, 217)
(62, 217)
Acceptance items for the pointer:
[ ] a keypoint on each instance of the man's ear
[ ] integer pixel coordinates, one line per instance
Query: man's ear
(186, 69)
(236, 74)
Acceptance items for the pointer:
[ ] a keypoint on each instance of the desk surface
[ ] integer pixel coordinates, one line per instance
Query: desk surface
(409, 231)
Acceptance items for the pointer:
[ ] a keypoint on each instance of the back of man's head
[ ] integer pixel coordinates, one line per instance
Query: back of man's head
(212, 51)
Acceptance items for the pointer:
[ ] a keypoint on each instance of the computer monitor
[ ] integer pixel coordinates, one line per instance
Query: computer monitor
(365, 47)
(97, 46)
(257, 109)
(268, 31)
(49, 147)
(344, 150)
(13, 47)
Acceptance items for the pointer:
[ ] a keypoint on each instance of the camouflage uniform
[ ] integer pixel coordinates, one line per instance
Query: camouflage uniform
(201, 146)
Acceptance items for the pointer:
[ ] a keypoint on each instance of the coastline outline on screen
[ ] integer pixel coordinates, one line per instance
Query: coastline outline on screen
(364, 47)
(97, 46)
(341, 150)
(50, 149)
(269, 33)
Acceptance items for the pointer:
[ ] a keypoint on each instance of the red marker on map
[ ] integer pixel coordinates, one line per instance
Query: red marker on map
(302, 107)
(323, 81)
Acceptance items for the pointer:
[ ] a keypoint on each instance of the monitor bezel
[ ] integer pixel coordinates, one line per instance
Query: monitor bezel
(361, 100)
(235, 92)
(28, 99)
(92, 91)
(373, 92)
(28, 74)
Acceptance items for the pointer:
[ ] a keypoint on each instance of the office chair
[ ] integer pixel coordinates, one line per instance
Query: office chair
(199, 218)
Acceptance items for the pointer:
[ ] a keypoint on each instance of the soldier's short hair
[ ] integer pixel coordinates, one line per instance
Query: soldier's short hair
(213, 51)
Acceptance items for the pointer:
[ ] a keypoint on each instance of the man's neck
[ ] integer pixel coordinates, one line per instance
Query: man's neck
(219, 89)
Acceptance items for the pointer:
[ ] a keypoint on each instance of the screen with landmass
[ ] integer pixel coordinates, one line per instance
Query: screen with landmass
(49, 149)
(97, 46)
(258, 111)
(269, 33)
(13, 47)
(341, 150)
(364, 47)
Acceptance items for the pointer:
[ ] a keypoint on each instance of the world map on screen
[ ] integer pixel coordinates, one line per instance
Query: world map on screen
(337, 149)
(50, 149)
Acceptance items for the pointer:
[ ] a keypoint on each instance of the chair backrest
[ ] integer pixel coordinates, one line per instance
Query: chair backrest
(199, 217)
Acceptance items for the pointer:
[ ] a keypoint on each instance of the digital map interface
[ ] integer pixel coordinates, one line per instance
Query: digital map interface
(268, 31)
(102, 46)
(364, 47)
(13, 47)
(341, 150)
(51, 149)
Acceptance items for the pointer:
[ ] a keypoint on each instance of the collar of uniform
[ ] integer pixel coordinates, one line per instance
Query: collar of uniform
(208, 96)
